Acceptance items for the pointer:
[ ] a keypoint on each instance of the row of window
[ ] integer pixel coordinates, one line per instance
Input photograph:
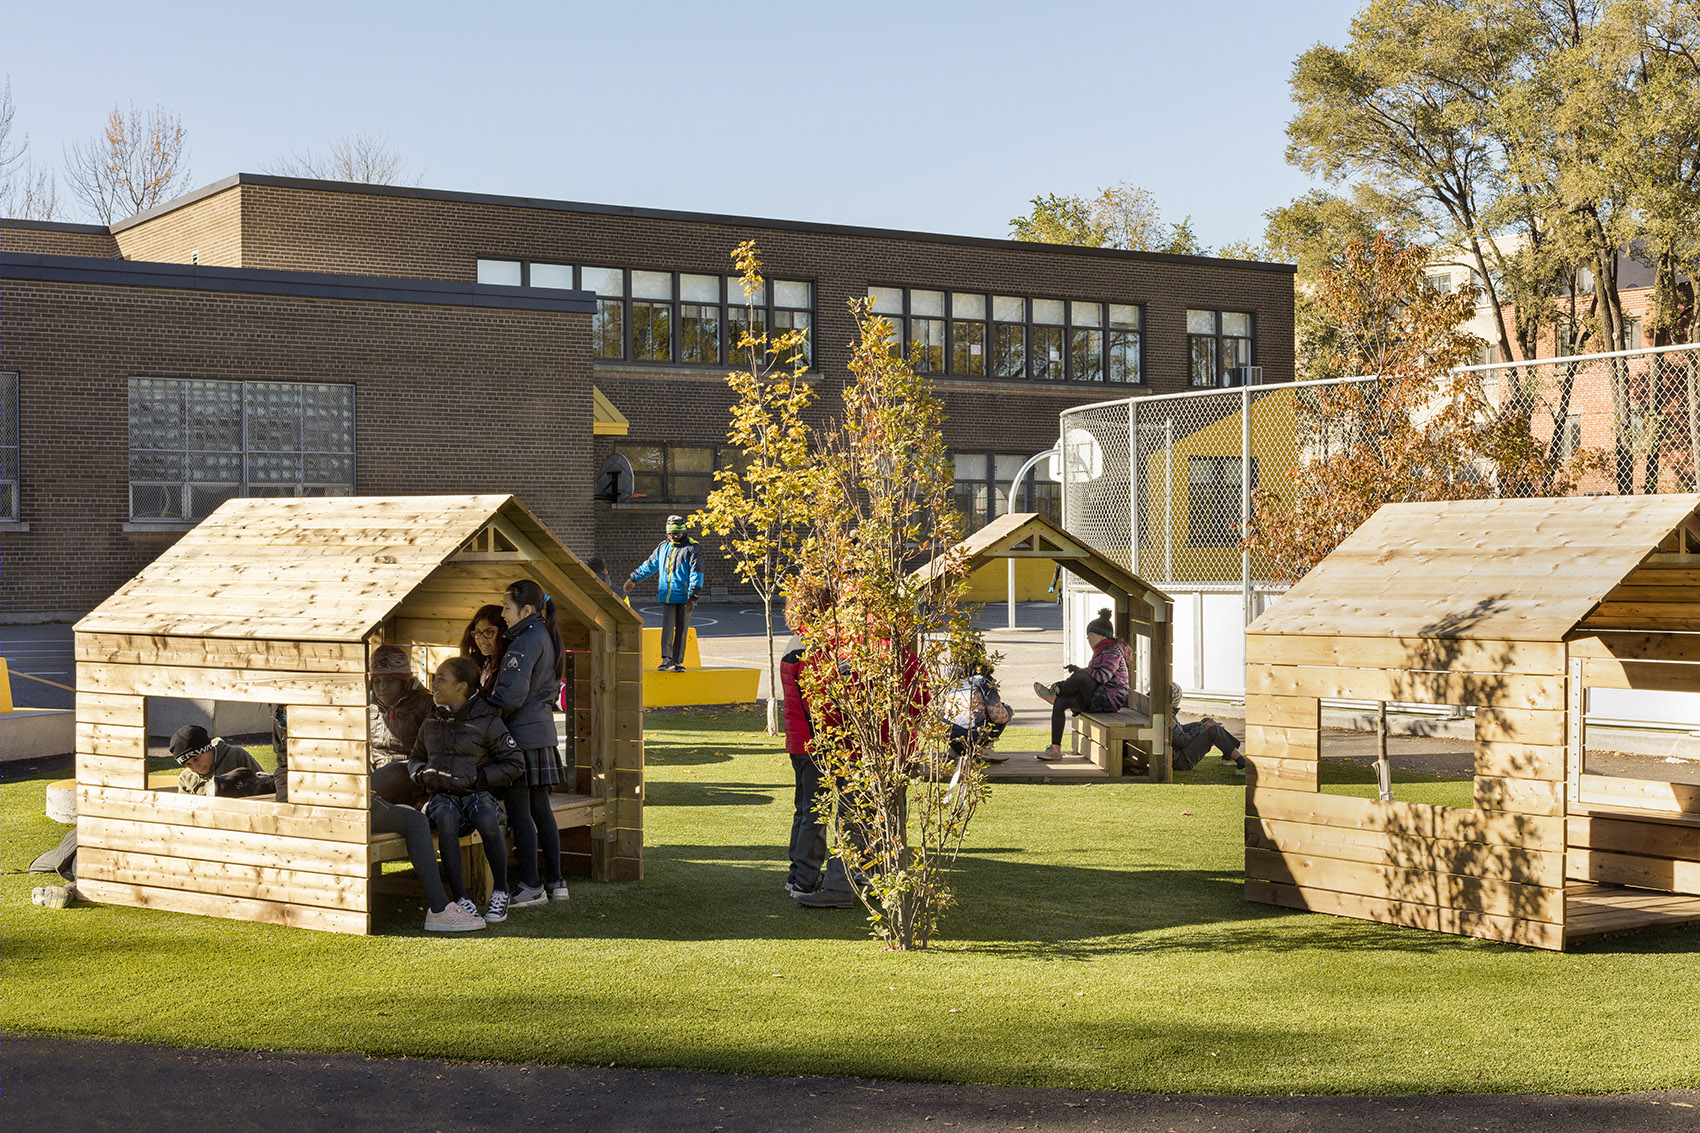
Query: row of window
(697, 319)
(669, 316)
(969, 334)
(195, 444)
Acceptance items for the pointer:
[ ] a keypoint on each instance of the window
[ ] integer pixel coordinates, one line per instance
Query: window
(659, 316)
(1123, 357)
(1010, 336)
(982, 488)
(793, 309)
(967, 334)
(1632, 332)
(1086, 342)
(1213, 491)
(9, 446)
(926, 331)
(195, 444)
(1219, 347)
(652, 316)
(608, 325)
(699, 318)
(673, 473)
(508, 273)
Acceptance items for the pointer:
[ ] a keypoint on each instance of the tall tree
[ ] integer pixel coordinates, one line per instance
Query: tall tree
(1121, 216)
(135, 163)
(26, 191)
(365, 157)
(762, 503)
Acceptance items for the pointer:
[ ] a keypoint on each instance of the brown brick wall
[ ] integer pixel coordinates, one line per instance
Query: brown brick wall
(211, 226)
(304, 229)
(448, 400)
(48, 241)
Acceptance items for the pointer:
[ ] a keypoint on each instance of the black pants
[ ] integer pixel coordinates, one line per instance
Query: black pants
(488, 822)
(1073, 695)
(675, 620)
(532, 819)
(808, 833)
(415, 829)
(1192, 742)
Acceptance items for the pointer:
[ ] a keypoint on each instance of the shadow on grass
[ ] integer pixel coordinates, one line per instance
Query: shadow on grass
(707, 794)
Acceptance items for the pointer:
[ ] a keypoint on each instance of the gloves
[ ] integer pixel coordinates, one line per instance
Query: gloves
(436, 782)
(1072, 668)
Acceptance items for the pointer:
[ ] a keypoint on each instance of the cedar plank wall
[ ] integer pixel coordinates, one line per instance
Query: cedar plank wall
(1661, 850)
(301, 863)
(449, 400)
(1495, 872)
(316, 230)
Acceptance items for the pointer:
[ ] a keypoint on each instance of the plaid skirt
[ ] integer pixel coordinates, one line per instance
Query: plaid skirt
(543, 767)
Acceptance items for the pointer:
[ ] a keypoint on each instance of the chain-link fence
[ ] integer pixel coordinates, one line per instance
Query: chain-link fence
(1166, 485)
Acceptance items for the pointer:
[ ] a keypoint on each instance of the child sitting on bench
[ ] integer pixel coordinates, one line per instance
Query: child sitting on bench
(463, 753)
(1100, 687)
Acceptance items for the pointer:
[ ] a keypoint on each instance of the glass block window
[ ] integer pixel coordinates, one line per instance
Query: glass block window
(9, 446)
(195, 444)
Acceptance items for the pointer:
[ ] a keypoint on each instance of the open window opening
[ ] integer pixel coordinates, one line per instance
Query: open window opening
(1420, 753)
(227, 748)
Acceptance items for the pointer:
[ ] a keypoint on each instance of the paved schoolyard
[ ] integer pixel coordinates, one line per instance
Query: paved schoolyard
(88, 1085)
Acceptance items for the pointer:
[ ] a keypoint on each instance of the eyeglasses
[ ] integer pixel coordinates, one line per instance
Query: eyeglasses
(484, 634)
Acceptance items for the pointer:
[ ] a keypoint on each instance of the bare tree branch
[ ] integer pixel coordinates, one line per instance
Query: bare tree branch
(25, 190)
(134, 164)
(365, 157)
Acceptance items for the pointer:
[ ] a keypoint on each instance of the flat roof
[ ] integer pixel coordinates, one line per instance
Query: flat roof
(301, 284)
(550, 205)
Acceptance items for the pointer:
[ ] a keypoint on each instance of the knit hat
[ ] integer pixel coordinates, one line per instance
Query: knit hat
(1102, 625)
(675, 523)
(391, 661)
(189, 741)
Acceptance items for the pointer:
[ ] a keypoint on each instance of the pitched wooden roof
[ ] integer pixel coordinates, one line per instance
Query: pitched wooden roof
(1032, 536)
(1508, 570)
(318, 569)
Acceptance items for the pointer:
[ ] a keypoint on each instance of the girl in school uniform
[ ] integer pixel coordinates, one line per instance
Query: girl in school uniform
(526, 689)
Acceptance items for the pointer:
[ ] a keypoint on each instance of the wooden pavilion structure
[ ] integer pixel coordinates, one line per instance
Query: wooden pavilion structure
(1517, 609)
(1144, 618)
(281, 601)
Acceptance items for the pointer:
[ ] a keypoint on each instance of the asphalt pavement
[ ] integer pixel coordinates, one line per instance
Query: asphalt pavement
(91, 1085)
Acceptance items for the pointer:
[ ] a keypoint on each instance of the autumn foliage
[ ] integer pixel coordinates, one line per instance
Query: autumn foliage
(1417, 432)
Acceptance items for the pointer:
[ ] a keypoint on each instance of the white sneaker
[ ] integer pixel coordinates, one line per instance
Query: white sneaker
(526, 896)
(558, 891)
(498, 910)
(453, 918)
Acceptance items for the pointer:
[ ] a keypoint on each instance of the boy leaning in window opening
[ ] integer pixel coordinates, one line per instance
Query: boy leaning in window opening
(204, 759)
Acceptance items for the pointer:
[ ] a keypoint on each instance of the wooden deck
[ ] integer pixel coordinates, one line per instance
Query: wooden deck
(1592, 911)
(1027, 767)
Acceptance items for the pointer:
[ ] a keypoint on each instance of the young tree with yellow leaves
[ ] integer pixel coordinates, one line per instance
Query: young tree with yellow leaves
(762, 503)
(885, 586)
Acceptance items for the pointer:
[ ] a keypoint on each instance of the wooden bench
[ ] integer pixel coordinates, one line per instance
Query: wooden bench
(1124, 745)
(570, 811)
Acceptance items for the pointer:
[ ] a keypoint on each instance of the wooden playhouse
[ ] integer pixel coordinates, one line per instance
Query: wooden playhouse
(1516, 609)
(280, 601)
(1144, 618)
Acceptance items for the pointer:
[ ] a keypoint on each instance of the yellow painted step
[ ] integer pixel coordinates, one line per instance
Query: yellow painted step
(696, 685)
(5, 687)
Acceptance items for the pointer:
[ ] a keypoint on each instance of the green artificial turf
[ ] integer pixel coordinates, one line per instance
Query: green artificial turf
(1100, 941)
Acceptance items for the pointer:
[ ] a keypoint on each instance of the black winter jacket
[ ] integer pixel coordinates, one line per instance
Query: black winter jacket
(526, 689)
(471, 747)
(394, 729)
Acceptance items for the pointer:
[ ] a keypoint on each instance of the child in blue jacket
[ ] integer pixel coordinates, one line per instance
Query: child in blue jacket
(677, 565)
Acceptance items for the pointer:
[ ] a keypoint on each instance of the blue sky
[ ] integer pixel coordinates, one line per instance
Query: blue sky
(939, 117)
